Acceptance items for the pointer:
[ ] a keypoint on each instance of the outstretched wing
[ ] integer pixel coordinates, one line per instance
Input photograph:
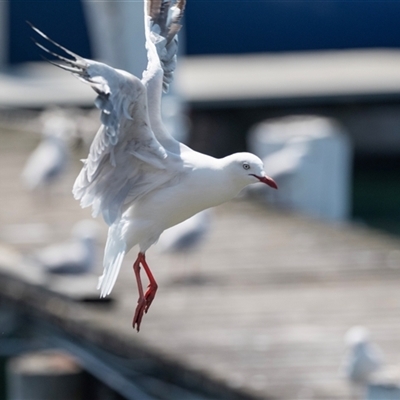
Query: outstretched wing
(125, 158)
(161, 21)
(162, 24)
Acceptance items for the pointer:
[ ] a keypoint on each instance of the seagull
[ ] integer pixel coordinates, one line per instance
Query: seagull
(76, 256)
(286, 162)
(137, 176)
(184, 239)
(363, 358)
(50, 159)
(187, 235)
(286, 165)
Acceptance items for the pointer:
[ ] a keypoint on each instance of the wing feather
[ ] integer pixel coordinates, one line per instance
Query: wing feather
(162, 24)
(125, 157)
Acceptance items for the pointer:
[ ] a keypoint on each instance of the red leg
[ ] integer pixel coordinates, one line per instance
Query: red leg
(152, 288)
(146, 299)
(137, 319)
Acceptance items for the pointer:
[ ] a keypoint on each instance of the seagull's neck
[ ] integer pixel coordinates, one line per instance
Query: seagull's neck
(216, 180)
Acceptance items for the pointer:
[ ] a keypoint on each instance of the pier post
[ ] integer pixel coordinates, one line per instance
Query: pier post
(44, 375)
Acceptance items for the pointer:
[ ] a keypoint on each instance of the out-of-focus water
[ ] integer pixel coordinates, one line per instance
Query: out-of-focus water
(2, 378)
(376, 193)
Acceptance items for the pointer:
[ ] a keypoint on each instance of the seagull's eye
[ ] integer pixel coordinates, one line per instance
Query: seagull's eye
(246, 166)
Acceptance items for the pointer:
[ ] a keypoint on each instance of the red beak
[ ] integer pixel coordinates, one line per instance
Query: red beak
(267, 180)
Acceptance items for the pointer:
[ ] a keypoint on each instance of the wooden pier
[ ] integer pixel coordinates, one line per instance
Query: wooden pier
(261, 307)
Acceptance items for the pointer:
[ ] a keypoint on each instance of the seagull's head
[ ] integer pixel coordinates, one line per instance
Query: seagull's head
(250, 169)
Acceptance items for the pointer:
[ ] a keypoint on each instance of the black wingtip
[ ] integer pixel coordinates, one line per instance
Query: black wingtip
(35, 29)
(44, 36)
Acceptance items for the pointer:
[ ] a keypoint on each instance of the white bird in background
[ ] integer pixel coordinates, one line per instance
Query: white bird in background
(286, 162)
(73, 257)
(363, 357)
(137, 175)
(187, 235)
(286, 166)
(50, 159)
(184, 239)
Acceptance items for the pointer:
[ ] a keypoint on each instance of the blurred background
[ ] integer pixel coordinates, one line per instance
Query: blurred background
(312, 88)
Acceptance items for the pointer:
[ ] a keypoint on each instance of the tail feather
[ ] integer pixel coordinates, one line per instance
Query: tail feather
(114, 254)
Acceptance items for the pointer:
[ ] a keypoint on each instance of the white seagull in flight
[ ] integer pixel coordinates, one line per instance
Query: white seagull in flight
(137, 175)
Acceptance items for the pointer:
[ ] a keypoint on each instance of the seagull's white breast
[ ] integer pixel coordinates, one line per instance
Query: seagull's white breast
(203, 185)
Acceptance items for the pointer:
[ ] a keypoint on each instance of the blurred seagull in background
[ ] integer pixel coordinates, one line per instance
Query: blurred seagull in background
(182, 240)
(186, 236)
(362, 360)
(286, 165)
(287, 162)
(50, 159)
(76, 256)
(137, 175)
